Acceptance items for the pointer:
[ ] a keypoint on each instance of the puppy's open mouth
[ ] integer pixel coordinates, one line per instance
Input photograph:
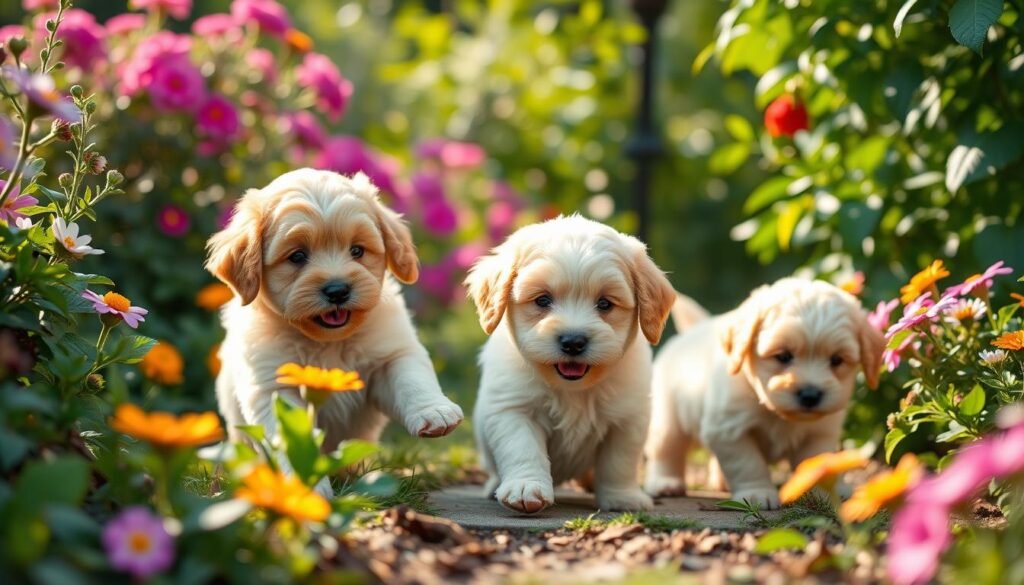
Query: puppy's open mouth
(572, 370)
(333, 319)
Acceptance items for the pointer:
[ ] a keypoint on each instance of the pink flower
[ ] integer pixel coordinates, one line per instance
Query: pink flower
(262, 60)
(440, 218)
(215, 25)
(173, 220)
(137, 543)
(218, 119)
(879, 318)
(271, 17)
(304, 129)
(31, 5)
(500, 219)
(452, 154)
(466, 255)
(918, 311)
(319, 74)
(176, 84)
(918, 536)
(137, 73)
(893, 357)
(42, 92)
(124, 24)
(9, 211)
(436, 280)
(84, 38)
(224, 217)
(178, 9)
(348, 155)
(428, 187)
(10, 31)
(978, 280)
(8, 144)
(115, 304)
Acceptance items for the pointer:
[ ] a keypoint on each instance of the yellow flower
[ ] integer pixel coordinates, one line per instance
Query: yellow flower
(814, 470)
(1013, 341)
(213, 296)
(283, 494)
(163, 364)
(213, 360)
(1018, 298)
(314, 378)
(854, 284)
(164, 429)
(923, 282)
(882, 490)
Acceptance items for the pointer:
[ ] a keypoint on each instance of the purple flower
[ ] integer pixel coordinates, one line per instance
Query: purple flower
(919, 535)
(84, 38)
(42, 92)
(178, 9)
(879, 318)
(115, 304)
(31, 5)
(918, 311)
(216, 25)
(428, 187)
(137, 74)
(173, 220)
(9, 211)
(8, 144)
(500, 220)
(218, 119)
(176, 84)
(304, 129)
(271, 17)
(440, 218)
(348, 155)
(451, 154)
(124, 24)
(137, 543)
(318, 74)
(436, 280)
(978, 280)
(262, 60)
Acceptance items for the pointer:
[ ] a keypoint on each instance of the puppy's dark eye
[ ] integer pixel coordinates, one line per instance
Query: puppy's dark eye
(603, 304)
(298, 257)
(836, 361)
(543, 301)
(784, 357)
(357, 251)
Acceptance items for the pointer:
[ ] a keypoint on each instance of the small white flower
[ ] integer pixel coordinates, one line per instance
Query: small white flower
(67, 236)
(993, 357)
(965, 310)
(23, 223)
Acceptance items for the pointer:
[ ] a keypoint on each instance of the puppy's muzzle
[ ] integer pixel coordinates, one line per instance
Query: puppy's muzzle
(809, 397)
(336, 293)
(573, 344)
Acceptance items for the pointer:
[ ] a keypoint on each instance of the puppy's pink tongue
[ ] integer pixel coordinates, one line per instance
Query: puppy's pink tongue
(571, 369)
(336, 317)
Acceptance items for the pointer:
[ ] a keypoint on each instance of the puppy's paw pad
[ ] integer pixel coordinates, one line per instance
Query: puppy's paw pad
(436, 421)
(526, 495)
(665, 487)
(624, 500)
(767, 497)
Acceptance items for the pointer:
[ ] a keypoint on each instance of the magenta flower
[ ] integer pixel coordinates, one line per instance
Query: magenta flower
(271, 17)
(9, 211)
(466, 255)
(304, 128)
(124, 24)
(440, 218)
(8, 144)
(436, 280)
(137, 543)
(500, 220)
(11, 31)
(318, 74)
(262, 60)
(176, 85)
(984, 279)
(115, 304)
(893, 357)
(137, 73)
(919, 535)
(84, 38)
(918, 311)
(451, 154)
(879, 318)
(173, 220)
(31, 5)
(224, 217)
(215, 25)
(218, 119)
(428, 187)
(348, 155)
(42, 92)
(178, 9)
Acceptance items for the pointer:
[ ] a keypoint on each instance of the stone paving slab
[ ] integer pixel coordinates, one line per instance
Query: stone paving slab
(466, 505)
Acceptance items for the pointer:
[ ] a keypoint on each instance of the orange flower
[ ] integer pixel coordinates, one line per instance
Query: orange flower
(314, 378)
(164, 429)
(213, 360)
(163, 364)
(1013, 341)
(854, 284)
(882, 490)
(1019, 298)
(213, 296)
(923, 282)
(814, 470)
(298, 41)
(283, 494)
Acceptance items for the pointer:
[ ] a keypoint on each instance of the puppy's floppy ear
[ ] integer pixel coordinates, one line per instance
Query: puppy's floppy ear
(235, 254)
(739, 335)
(398, 246)
(654, 295)
(489, 284)
(872, 344)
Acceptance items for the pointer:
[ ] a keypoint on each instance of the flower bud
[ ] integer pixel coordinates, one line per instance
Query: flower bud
(95, 382)
(114, 178)
(61, 129)
(51, 25)
(65, 180)
(90, 107)
(17, 46)
(76, 91)
(95, 162)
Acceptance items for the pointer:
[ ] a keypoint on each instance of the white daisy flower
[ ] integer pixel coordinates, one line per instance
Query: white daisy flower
(23, 223)
(67, 236)
(965, 310)
(993, 356)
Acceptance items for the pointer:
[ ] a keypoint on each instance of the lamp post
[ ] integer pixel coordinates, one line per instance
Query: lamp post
(645, 145)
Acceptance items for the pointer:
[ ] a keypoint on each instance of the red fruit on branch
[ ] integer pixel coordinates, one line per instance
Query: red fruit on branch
(785, 116)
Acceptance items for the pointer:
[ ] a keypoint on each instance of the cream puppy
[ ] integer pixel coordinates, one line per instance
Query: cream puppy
(307, 258)
(768, 381)
(565, 376)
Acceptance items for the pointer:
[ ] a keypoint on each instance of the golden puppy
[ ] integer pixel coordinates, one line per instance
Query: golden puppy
(565, 375)
(307, 258)
(768, 381)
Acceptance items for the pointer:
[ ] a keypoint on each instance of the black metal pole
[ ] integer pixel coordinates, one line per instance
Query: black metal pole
(645, 145)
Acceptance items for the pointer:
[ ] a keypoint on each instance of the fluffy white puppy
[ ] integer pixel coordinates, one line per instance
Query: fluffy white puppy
(768, 381)
(307, 258)
(565, 376)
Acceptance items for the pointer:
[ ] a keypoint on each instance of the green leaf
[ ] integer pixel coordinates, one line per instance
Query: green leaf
(780, 539)
(63, 480)
(974, 402)
(980, 155)
(353, 451)
(376, 484)
(257, 432)
(728, 158)
(969, 21)
(892, 440)
(739, 128)
(789, 217)
(129, 349)
(897, 25)
(768, 192)
(297, 434)
(13, 448)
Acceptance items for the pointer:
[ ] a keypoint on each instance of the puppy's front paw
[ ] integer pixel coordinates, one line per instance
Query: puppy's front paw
(766, 497)
(435, 421)
(623, 499)
(664, 486)
(525, 495)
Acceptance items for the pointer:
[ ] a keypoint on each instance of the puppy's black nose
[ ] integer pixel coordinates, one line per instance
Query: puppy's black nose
(809, 396)
(336, 292)
(573, 343)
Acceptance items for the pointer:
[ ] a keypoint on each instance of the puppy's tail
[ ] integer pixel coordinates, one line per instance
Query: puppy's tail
(686, 312)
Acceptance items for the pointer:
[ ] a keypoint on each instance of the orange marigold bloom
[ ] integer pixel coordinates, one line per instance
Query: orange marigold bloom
(164, 429)
(314, 378)
(283, 494)
(298, 41)
(213, 296)
(163, 364)
(213, 362)
(923, 281)
(814, 470)
(882, 490)
(1013, 341)
(1017, 297)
